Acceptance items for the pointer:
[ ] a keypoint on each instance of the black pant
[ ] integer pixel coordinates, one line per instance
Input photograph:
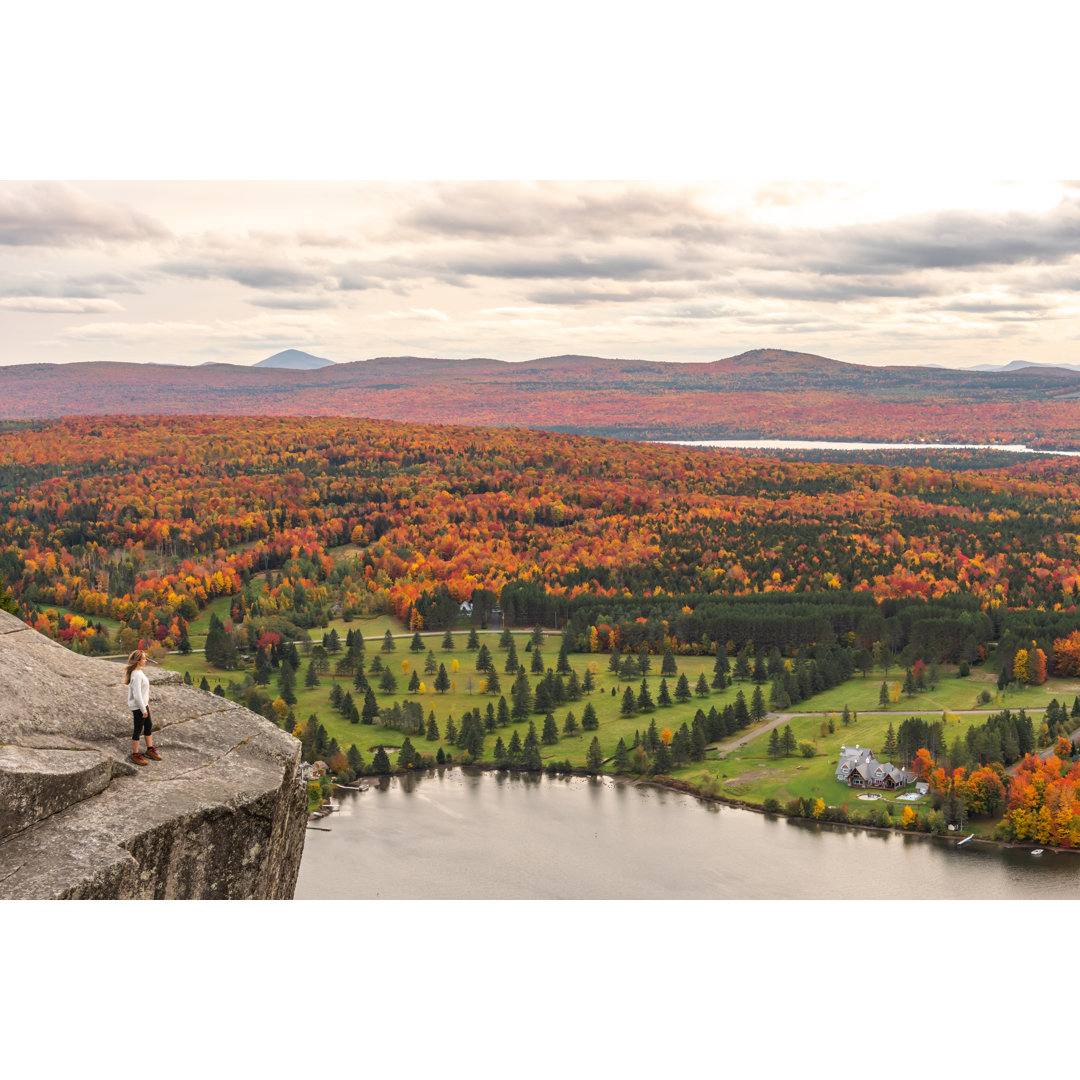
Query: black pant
(143, 725)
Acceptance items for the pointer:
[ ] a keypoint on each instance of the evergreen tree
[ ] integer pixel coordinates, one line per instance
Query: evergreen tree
(909, 683)
(502, 714)
(494, 686)
(562, 666)
(335, 695)
(474, 641)
(652, 737)
(360, 683)
(643, 661)
(682, 689)
(774, 743)
(376, 665)
(594, 759)
(573, 687)
(522, 697)
(662, 761)
(408, 758)
(537, 662)
(380, 763)
(757, 705)
(644, 698)
(588, 683)
(883, 696)
(312, 677)
(501, 755)
(530, 759)
(417, 643)
(371, 709)
(628, 703)
(621, 763)
(570, 724)
(537, 637)
(742, 665)
(414, 683)
(387, 641)
(506, 639)
(442, 680)
(388, 683)
(889, 749)
(355, 759)
(511, 659)
(262, 667)
(514, 750)
(589, 719)
(667, 664)
(615, 659)
(187, 678)
(287, 684)
(483, 659)
(185, 643)
(760, 674)
(550, 735)
(451, 731)
(663, 698)
(702, 687)
(742, 713)
(448, 641)
(432, 733)
(788, 745)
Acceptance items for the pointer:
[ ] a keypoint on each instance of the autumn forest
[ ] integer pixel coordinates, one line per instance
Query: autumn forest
(121, 531)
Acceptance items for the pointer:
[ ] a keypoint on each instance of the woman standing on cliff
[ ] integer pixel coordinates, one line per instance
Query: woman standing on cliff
(139, 703)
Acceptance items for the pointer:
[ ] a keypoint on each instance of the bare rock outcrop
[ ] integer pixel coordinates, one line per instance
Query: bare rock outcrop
(221, 817)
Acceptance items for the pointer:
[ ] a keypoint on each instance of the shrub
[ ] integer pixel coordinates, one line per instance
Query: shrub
(964, 670)
(807, 749)
(772, 806)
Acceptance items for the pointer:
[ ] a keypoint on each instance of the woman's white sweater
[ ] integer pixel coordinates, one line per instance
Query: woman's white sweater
(138, 691)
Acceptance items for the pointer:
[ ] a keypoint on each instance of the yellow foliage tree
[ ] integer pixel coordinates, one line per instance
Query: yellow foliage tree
(819, 807)
(894, 692)
(908, 817)
(1020, 665)
(665, 736)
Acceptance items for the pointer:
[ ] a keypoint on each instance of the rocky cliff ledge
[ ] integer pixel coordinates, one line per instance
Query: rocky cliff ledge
(221, 817)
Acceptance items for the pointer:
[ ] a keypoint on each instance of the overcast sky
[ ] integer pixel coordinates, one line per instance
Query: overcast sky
(943, 273)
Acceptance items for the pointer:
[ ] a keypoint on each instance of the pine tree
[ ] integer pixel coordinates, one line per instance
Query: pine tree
(388, 683)
(562, 666)
(663, 698)
(387, 641)
(432, 733)
(380, 763)
(883, 696)
(643, 661)
(312, 677)
(787, 742)
(889, 749)
(667, 663)
(442, 680)
(511, 659)
(502, 714)
(414, 683)
(682, 690)
(451, 731)
(514, 750)
(550, 735)
(644, 698)
(594, 759)
(500, 752)
(537, 663)
(628, 703)
(757, 705)
(506, 639)
(448, 641)
(621, 762)
(417, 643)
(474, 640)
(742, 713)
(774, 743)
(370, 710)
(589, 719)
(262, 667)
(494, 686)
(570, 724)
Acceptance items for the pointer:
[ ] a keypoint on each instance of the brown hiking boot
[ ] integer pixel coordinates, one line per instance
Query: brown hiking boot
(152, 754)
(139, 759)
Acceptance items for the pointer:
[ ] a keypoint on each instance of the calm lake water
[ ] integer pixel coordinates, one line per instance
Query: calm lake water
(801, 444)
(457, 834)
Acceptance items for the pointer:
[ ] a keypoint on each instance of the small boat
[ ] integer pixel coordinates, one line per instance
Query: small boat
(966, 840)
(1037, 851)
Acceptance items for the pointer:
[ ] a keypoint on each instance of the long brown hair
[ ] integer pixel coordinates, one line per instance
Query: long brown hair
(132, 663)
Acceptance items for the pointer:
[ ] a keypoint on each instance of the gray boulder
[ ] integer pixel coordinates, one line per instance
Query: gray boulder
(221, 817)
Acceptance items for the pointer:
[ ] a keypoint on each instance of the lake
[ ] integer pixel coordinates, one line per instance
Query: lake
(801, 444)
(467, 834)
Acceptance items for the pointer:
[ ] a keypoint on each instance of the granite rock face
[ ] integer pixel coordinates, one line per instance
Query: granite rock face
(221, 817)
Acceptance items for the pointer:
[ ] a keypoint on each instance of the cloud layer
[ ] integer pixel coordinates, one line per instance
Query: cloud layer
(514, 270)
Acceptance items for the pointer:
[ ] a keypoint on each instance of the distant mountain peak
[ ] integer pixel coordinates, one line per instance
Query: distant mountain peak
(294, 359)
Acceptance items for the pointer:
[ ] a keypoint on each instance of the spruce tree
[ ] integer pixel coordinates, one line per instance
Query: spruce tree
(787, 742)
(570, 724)
(682, 689)
(514, 750)
(663, 698)
(757, 705)
(621, 762)
(667, 664)
(417, 643)
(312, 677)
(774, 743)
(474, 640)
(742, 713)
(883, 696)
(387, 642)
(550, 735)
(644, 698)
(502, 714)
(589, 719)
(442, 680)
(432, 732)
(702, 687)
(628, 703)
(594, 759)
(448, 641)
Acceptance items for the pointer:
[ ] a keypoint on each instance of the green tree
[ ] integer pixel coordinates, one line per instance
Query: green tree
(474, 640)
(883, 696)
(312, 677)
(414, 683)
(621, 762)
(589, 719)
(388, 684)
(370, 711)
(644, 698)
(594, 759)
(788, 744)
(417, 643)
(442, 680)
(757, 705)
(550, 734)
(432, 733)
(511, 659)
(570, 724)
(702, 687)
(682, 690)
(774, 750)
(663, 698)
(667, 662)
(387, 641)
(628, 703)
(448, 641)
(380, 763)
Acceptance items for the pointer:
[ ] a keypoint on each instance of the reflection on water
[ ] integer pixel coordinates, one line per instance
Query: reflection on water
(466, 834)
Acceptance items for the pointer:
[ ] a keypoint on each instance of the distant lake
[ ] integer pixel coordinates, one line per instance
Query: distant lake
(806, 444)
(468, 834)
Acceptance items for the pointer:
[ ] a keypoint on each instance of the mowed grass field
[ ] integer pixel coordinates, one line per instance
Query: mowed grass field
(455, 702)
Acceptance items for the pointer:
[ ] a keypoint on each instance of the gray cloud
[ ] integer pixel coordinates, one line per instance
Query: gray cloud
(253, 275)
(58, 215)
(86, 286)
(292, 303)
